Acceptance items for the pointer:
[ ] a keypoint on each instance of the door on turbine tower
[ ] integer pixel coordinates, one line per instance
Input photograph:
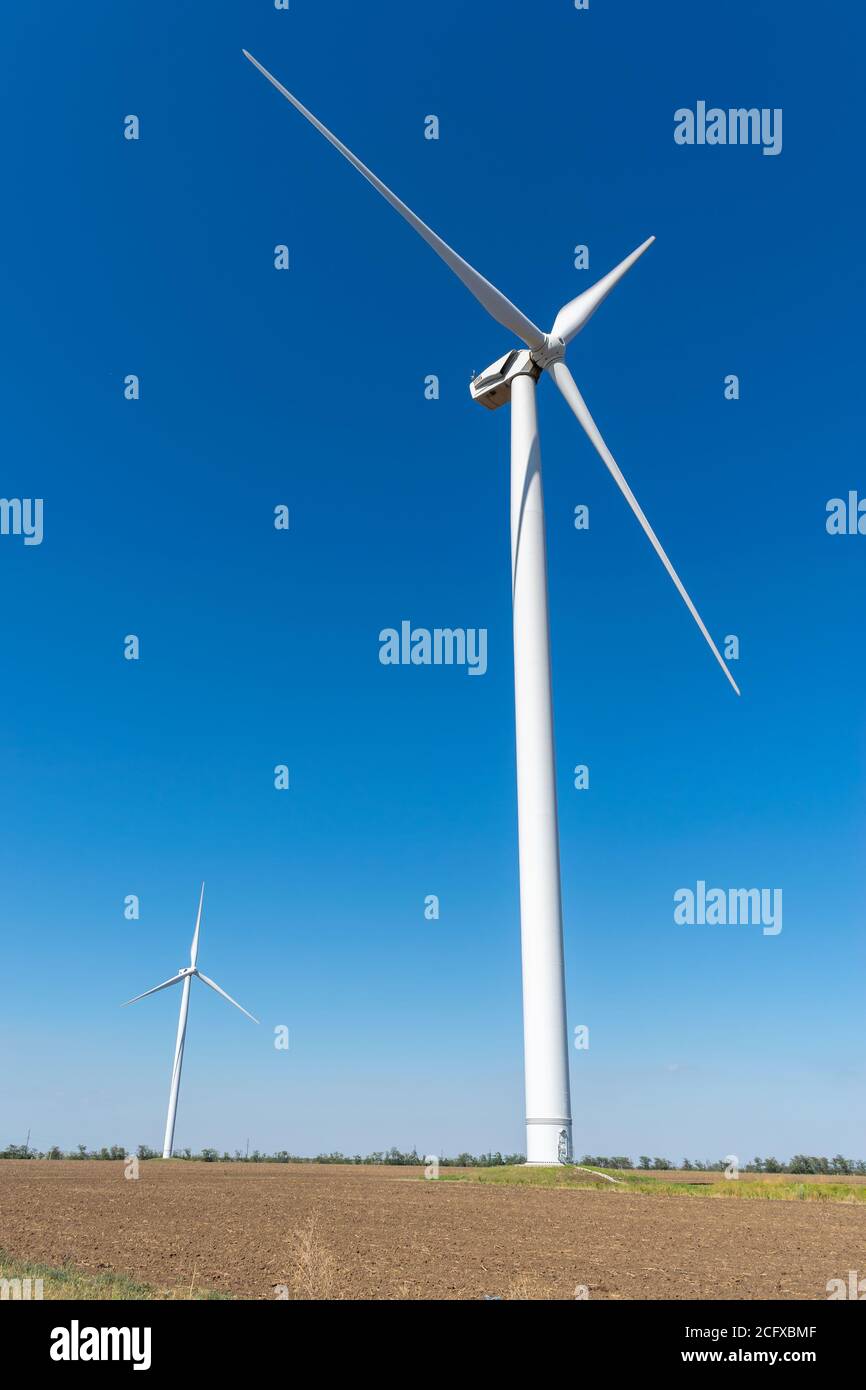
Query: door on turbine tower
(562, 1152)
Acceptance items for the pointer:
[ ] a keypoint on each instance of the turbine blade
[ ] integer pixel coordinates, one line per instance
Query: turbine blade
(572, 316)
(165, 984)
(488, 295)
(205, 981)
(193, 952)
(568, 386)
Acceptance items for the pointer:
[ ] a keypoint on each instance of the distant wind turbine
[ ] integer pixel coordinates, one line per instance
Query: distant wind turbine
(185, 974)
(512, 379)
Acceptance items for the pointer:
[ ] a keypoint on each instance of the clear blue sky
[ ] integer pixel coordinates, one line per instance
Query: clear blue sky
(257, 647)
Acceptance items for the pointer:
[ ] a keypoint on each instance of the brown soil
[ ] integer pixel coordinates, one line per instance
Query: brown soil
(355, 1233)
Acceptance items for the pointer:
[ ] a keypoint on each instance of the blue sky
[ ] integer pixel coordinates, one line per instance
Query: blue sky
(259, 647)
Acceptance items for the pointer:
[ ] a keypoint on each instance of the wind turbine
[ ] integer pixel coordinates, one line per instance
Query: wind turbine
(185, 975)
(513, 378)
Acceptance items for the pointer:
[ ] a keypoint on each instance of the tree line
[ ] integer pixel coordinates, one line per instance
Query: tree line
(837, 1166)
(800, 1163)
(208, 1155)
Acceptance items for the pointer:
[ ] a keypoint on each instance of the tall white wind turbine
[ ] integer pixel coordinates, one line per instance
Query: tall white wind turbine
(184, 976)
(513, 379)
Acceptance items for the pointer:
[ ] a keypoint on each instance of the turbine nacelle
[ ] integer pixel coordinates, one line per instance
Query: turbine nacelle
(492, 387)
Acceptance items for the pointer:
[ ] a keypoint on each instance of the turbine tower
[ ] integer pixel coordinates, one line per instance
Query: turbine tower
(513, 379)
(185, 975)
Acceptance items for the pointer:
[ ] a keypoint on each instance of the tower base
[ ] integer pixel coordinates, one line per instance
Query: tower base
(548, 1143)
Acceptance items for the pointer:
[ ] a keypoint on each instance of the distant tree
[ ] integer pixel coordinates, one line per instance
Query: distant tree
(662, 1164)
(644, 1161)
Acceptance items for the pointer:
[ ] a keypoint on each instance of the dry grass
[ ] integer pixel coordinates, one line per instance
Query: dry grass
(315, 1272)
(526, 1288)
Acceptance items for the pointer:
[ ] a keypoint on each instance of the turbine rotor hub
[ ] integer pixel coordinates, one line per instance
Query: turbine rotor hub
(552, 351)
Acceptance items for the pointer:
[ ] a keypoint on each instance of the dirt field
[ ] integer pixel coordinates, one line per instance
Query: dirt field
(355, 1233)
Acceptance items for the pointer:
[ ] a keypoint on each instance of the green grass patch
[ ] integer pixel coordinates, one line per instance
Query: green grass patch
(66, 1282)
(750, 1187)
